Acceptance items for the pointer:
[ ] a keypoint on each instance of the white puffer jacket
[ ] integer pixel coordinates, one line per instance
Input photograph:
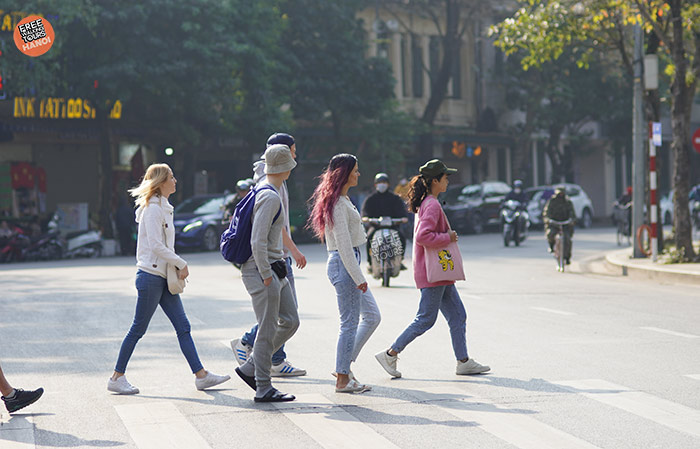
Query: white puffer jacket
(156, 229)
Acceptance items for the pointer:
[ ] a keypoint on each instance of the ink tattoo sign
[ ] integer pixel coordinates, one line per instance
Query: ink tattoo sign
(34, 36)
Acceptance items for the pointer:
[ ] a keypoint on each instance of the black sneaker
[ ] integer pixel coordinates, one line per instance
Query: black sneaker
(22, 399)
(568, 261)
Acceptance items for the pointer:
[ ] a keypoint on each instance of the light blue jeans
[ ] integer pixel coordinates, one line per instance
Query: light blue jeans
(433, 299)
(153, 291)
(352, 304)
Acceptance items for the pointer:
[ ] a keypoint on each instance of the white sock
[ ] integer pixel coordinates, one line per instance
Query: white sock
(11, 395)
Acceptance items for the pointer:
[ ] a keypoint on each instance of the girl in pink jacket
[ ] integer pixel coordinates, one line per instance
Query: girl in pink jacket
(432, 230)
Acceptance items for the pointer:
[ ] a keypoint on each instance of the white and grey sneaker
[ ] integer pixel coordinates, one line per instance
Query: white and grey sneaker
(241, 350)
(471, 366)
(286, 369)
(210, 380)
(121, 386)
(388, 362)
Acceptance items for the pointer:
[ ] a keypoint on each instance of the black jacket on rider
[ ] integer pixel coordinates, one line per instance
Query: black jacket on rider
(386, 204)
(517, 196)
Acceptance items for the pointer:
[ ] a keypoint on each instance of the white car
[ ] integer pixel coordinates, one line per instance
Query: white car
(583, 207)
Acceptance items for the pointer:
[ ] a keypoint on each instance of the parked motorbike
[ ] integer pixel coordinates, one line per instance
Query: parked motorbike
(78, 243)
(20, 247)
(386, 252)
(515, 222)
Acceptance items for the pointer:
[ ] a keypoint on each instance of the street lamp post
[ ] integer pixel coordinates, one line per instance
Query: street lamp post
(637, 144)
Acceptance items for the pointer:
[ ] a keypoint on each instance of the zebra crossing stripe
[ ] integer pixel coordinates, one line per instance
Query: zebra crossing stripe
(693, 376)
(509, 425)
(16, 432)
(331, 426)
(159, 425)
(662, 411)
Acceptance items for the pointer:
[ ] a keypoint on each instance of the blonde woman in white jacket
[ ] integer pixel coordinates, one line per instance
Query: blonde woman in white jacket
(156, 239)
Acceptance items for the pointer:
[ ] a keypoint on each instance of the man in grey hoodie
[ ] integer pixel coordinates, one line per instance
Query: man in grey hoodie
(264, 276)
(243, 347)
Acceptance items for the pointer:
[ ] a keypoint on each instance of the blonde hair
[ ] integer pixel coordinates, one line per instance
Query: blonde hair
(155, 177)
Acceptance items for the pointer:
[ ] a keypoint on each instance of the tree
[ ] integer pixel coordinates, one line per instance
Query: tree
(558, 99)
(450, 20)
(324, 48)
(544, 29)
(187, 71)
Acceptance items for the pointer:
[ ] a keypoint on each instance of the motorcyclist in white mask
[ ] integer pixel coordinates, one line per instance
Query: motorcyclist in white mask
(383, 203)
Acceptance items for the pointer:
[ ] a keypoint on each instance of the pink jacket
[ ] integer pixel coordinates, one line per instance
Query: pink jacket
(430, 230)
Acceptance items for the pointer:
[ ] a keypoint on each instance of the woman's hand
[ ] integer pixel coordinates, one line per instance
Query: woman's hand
(298, 258)
(362, 287)
(453, 236)
(182, 274)
(267, 281)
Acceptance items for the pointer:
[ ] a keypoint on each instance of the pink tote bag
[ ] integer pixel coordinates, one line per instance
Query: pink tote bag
(444, 263)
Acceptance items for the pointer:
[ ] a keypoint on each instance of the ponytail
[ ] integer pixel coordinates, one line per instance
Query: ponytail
(419, 188)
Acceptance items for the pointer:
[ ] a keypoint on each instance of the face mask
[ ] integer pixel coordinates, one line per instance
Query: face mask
(516, 190)
(382, 187)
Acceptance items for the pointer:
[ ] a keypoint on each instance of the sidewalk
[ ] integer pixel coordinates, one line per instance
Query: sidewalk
(621, 262)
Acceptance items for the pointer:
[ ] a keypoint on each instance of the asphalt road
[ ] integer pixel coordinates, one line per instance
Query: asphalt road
(578, 360)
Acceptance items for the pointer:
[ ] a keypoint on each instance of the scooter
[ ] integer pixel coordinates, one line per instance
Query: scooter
(78, 243)
(386, 252)
(515, 222)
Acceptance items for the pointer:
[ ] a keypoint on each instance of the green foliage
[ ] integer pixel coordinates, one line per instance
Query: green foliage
(324, 49)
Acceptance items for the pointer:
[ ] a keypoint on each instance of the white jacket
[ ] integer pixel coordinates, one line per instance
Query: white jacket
(155, 230)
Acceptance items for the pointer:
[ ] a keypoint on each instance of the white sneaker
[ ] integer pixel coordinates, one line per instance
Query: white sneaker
(388, 362)
(241, 350)
(121, 386)
(471, 366)
(210, 380)
(286, 369)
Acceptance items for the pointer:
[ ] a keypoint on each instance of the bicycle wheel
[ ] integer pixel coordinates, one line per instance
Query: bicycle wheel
(558, 252)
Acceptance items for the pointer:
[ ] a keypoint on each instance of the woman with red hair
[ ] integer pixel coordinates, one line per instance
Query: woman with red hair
(335, 220)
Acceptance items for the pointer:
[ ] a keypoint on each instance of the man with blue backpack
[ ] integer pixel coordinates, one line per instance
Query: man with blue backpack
(264, 274)
(243, 347)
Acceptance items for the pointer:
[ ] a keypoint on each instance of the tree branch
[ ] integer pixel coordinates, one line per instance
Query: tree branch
(658, 30)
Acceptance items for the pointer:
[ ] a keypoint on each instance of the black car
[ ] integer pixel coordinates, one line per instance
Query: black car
(199, 222)
(471, 208)
(460, 215)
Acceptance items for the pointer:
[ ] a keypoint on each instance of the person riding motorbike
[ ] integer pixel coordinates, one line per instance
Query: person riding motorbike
(242, 188)
(559, 208)
(517, 193)
(383, 203)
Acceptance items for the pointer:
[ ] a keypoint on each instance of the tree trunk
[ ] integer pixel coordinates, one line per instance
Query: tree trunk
(105, 184)
(438, 88)
(682, 95)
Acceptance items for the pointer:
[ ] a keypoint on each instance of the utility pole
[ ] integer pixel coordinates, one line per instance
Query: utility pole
(638, 157)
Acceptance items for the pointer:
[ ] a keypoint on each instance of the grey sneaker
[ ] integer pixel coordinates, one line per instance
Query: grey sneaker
(240, 350)
(388, 362)
(210, 380)
(471, 366)
(121, 386)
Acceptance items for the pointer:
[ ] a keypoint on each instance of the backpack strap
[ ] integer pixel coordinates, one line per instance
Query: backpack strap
(269, 187)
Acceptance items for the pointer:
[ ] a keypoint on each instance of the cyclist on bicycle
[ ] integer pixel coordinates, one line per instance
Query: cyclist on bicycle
(559, 208)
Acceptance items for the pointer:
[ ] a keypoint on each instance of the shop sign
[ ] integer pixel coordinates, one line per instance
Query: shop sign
(60, 108)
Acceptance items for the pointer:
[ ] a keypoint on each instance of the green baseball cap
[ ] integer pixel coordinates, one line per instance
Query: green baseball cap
(435, 167)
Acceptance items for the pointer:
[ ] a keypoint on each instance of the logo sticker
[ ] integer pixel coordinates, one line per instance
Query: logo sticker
(34, 36)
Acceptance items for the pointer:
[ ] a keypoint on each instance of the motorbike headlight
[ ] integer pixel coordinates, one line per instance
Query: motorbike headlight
(193, 225)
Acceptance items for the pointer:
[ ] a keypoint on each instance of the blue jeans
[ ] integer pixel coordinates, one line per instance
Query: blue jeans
(352, 304)
(446, 300)
(152, 291)
(249, 337)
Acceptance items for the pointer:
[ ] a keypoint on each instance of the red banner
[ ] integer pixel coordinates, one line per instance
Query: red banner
(22, 174)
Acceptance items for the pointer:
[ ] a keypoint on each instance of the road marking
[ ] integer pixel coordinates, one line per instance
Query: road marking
(17, 432)
(512, 426)
(159, 425)
(331, 426)
(558, 312)
(693, 376)
(662, 411)
(666, 331)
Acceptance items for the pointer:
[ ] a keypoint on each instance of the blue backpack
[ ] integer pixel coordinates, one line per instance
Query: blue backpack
(235, 241)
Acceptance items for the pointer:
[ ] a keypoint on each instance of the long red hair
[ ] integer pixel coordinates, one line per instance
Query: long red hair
(327, 192)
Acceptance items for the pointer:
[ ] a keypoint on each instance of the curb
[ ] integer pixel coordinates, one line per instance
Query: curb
(657, 273)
